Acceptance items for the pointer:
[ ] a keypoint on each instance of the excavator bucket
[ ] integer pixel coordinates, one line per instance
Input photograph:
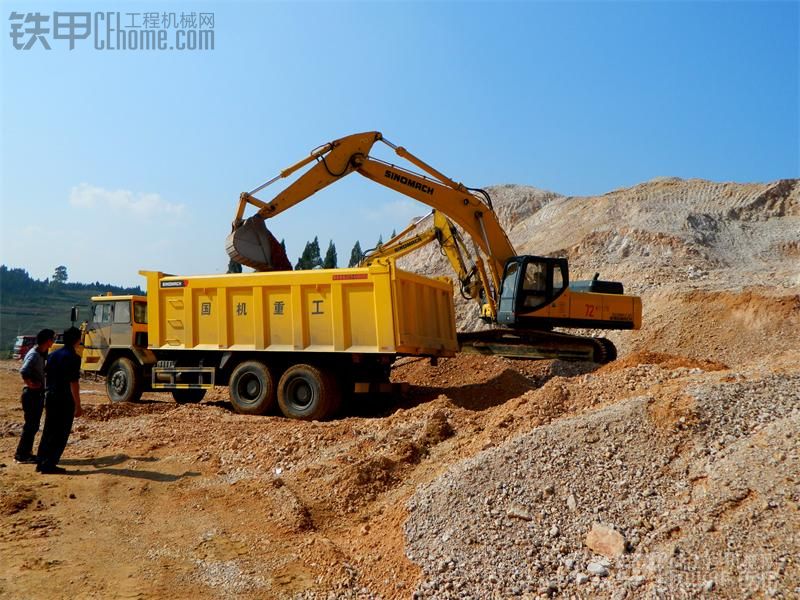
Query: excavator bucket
(253, 245)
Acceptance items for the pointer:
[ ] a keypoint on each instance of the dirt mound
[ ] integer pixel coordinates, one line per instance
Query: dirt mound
(665, 235)
(732, 327)
(105, 412)
(664, 360)
(15, 500)
(514, 519)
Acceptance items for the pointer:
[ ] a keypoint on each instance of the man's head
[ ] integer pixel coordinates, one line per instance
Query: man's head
(71, 337)
(45, 339)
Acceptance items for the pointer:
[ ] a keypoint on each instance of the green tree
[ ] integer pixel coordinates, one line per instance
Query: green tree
(60, 275)
(356, 255)
(394, 233)
(234, 267)
(310, 258)
(330, 257)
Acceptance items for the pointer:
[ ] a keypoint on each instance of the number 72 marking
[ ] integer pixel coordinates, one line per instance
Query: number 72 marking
(590, 308)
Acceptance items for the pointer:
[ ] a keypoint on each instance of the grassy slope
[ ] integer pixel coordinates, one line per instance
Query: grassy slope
(50, 308)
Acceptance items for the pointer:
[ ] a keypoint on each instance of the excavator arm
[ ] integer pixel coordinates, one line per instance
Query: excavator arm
(450, 243)
(470, 209)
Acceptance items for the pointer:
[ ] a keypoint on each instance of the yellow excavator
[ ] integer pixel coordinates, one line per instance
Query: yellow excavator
(524, 297)
(442, 231)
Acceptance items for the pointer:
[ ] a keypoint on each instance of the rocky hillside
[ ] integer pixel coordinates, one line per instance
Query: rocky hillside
(657, 234)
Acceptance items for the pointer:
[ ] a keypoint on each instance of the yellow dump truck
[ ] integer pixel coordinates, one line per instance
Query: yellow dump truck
(297, 340)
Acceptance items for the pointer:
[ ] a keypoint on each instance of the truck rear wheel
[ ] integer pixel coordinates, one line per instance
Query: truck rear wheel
(188, 395)
(124, 381)
(308, 393)
(252, 388)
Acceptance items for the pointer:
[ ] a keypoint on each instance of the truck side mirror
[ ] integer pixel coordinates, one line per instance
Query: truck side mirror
(73, 314)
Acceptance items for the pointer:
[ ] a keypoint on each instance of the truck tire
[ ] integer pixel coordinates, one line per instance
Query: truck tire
(188, 395)
(308, 393)
(252, 388)
(124, 381)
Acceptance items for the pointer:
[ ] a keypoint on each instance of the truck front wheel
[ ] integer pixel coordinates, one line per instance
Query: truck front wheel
(252, 388)
(124, 381)
(308, 393)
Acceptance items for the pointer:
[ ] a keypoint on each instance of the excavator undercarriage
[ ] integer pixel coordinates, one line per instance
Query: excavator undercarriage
(533, 344)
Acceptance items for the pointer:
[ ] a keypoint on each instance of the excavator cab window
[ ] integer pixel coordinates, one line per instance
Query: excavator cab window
(510, 281)
(543, 280)
(534, 286)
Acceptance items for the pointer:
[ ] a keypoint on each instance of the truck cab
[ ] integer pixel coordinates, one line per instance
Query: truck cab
(115, 342)
(115, 323)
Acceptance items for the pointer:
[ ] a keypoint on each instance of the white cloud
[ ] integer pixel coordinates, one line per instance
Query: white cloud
(138, 204)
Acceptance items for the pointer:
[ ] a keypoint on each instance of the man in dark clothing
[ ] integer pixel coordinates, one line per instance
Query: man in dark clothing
(62, 402)
(32, 372)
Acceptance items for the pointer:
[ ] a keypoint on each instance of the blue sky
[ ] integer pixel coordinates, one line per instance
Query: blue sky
(115, 161)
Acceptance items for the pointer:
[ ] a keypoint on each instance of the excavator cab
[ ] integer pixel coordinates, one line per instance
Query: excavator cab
(530, 283)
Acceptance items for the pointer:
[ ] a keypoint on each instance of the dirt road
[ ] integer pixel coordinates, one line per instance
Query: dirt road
(168, 500)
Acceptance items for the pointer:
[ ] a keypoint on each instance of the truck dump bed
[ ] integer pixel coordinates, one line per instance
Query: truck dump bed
(378, 309)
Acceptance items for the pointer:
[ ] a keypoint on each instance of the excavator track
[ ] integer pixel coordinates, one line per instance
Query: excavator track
(535, 344)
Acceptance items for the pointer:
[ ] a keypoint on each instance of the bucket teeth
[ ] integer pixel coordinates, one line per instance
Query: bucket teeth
(253, 245)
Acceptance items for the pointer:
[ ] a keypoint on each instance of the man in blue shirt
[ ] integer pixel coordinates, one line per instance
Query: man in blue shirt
(32, 372)
(62, 402)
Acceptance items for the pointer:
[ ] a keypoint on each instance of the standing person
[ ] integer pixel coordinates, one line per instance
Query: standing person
(32, 372)
(62, 402)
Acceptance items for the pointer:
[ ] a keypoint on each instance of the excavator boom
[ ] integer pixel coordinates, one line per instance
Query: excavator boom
(350, 154)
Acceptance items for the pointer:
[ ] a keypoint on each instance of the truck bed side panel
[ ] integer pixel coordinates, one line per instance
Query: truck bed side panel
(364, 310)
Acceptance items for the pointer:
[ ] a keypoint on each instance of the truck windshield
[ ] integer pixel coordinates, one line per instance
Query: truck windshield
(102, 312)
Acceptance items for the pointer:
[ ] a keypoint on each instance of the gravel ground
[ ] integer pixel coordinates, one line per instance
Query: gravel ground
(702, 484)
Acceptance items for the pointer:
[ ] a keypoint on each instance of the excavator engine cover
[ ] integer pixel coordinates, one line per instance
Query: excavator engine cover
(253, 245)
